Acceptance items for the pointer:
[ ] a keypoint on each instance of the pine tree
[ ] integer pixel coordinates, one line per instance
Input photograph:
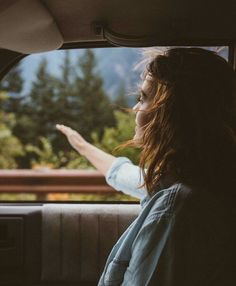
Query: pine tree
(13, 81)
(95, 111)
(76, 99)
(121, 101)
(35, 114)
(10, 146)
(66, 105)
(13, 85)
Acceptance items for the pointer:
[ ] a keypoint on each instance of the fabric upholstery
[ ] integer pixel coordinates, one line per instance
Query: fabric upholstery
(76, 239)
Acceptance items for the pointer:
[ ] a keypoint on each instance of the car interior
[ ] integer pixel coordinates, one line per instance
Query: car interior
(67, 243)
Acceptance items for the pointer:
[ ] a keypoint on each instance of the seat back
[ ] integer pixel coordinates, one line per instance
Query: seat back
(59, 244)
(77, 239)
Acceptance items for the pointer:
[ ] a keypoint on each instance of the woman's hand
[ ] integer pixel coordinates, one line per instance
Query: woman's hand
(100, 159)
(74, 138)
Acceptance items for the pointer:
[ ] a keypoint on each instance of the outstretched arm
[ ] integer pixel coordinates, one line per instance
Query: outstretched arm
(120, 172)
(101, 160)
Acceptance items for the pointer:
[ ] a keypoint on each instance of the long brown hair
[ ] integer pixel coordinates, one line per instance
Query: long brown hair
(191, 132)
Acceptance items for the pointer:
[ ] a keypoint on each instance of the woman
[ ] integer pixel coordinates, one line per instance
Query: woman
(186, 128)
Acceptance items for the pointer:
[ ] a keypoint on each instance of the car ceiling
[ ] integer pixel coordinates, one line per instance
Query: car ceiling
(31, 26)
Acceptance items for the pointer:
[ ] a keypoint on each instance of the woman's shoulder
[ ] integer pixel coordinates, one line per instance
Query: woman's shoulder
(167, 201)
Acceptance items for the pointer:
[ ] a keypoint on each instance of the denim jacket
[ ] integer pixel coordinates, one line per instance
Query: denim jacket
(151, 251)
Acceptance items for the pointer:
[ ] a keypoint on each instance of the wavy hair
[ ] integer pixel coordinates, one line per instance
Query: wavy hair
(190, 136)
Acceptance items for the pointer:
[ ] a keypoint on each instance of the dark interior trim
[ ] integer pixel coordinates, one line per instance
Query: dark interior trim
(117, 39)
(231, 54)
(138, 44)
(234, 56)
(84, 45)
(8, 59)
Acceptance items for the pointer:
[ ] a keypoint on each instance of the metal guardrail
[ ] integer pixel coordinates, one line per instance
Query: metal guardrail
(42, 182)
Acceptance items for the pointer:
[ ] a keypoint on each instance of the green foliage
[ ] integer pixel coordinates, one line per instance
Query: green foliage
(13, 81)
(76, 99)
(95, 107)
(76, 161)
(115, 136)
(10, 146)
(121, 101)
(39, 109)
(47, 158)
(119, 196)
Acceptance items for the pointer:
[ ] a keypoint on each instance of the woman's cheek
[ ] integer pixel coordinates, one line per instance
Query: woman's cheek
(142, 118)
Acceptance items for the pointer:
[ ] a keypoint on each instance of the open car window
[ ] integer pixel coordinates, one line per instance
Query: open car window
(86, 89)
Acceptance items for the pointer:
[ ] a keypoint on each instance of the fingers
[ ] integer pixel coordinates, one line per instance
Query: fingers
(74, 138)
(64, 129)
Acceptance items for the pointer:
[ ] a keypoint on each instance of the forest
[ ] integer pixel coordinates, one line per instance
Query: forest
(28, 138)
(76, 98)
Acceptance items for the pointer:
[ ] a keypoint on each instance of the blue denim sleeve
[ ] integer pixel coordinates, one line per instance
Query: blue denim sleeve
(151, 240)
(124, 176)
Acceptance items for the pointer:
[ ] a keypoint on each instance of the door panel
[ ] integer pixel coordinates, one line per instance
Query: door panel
(59, 244)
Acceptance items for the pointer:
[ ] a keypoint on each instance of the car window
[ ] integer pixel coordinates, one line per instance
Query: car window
(89, 90)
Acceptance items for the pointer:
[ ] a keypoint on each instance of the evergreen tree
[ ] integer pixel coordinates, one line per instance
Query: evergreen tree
(76, 99)
(67, 102)
(35, 118)
(13, 85)
(66, 69)
(115, 136)
(66, 105)
(95, 108)
(13, 81)
(121, 101)
(10, 146)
